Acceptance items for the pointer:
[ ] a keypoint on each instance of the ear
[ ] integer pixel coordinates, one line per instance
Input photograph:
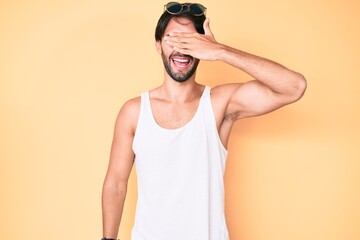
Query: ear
(158, 46)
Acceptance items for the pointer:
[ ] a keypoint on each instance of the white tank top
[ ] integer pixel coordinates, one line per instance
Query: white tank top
(180, 176)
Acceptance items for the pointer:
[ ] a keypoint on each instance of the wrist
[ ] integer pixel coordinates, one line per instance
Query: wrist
(222, 50)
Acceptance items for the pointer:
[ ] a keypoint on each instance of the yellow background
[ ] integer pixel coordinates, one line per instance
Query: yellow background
(66, 68)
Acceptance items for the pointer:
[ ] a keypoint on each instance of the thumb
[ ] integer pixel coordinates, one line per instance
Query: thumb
(206, 27)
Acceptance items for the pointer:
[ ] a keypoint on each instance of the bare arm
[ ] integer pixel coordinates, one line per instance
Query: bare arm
(120, 165)
(274, 87)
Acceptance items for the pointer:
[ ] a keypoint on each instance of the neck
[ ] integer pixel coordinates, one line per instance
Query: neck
(179, 91)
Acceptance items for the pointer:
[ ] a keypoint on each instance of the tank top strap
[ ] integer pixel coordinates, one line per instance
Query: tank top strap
(145, 111)
(145, 101)
(206, 94)
(144, 115)
(206, 102)
(203, 99)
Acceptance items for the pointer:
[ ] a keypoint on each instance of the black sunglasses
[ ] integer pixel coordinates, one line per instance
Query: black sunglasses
(175, 8)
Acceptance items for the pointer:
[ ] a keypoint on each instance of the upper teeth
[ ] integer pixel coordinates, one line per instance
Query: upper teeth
(181, 60)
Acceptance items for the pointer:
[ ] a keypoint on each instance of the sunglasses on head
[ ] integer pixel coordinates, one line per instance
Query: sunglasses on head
(175, 8)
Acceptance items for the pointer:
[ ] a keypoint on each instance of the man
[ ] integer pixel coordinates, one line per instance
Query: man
(177, 133)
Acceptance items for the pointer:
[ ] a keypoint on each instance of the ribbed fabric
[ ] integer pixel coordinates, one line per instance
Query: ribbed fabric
(180, 177)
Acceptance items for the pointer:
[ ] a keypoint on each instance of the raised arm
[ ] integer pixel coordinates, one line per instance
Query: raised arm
(120, 165)
(274, 85)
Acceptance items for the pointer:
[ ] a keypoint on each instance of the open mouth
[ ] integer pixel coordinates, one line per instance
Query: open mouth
(181, 62)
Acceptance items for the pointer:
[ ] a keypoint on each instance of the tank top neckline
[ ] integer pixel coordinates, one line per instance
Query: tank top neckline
(148, 103)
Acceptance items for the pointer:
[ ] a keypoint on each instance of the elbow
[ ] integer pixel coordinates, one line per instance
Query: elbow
(298, 88)
(114, 187)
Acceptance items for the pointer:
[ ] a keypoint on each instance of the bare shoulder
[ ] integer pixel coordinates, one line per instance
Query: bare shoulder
(221, 94)
(224, 90)
(128, 115)
(132, 106)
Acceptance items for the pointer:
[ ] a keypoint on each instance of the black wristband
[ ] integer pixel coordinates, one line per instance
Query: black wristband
(108, 239)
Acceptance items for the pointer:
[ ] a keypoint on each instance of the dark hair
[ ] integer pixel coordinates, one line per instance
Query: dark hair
(166, 17)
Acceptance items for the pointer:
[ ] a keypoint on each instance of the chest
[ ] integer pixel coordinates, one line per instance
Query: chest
(173, 115)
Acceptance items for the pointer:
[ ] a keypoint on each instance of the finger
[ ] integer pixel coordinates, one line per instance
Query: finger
(178, 45)
(181, 34)
(183, 51)
(177, 39)
(207, 27)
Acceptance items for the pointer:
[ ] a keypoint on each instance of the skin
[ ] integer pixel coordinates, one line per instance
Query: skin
(175, 103)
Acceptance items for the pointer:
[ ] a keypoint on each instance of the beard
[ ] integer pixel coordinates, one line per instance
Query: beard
(180, 76)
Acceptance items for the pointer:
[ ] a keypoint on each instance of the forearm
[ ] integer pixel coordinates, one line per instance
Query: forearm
(113, 198)
(275, 76)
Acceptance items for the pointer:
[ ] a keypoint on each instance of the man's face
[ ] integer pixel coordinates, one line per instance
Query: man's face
(180, 67)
